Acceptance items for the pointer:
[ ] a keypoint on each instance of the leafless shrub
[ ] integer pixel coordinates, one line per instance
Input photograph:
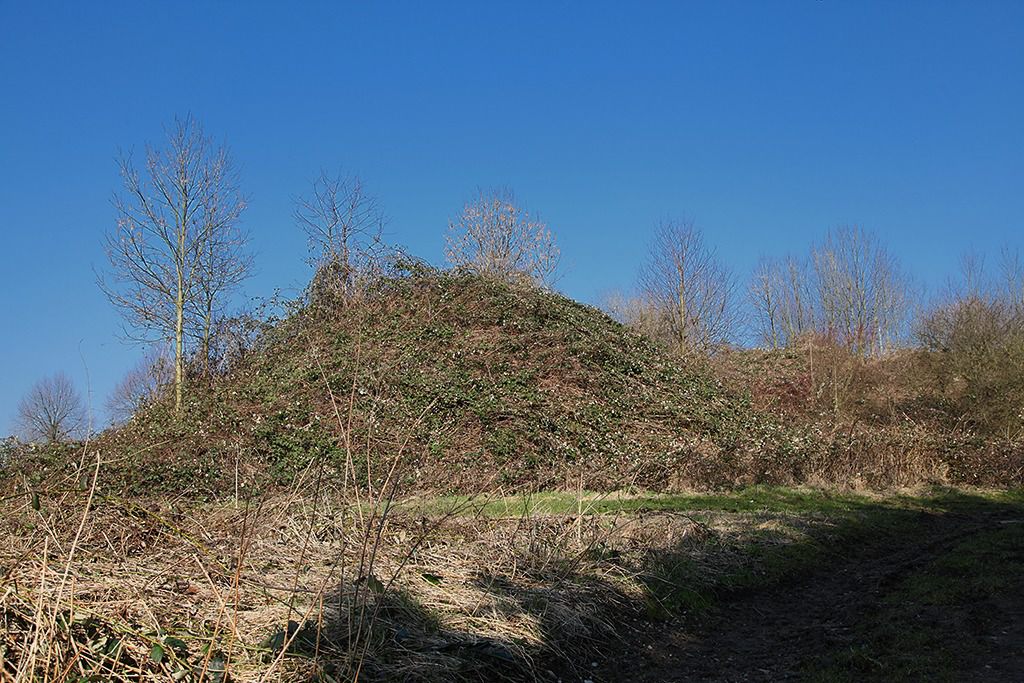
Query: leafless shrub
(838, 375)
(975, 336)
(690, 291)
(236, 338)
(495, 236)
(144, 383)
(635, 312)
(343, 224)
(52, 410)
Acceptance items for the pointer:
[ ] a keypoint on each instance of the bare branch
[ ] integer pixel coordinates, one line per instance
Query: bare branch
(496, 237)
(343, 224)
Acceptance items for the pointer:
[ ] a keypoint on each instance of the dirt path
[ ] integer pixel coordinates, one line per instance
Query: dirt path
(770, 635)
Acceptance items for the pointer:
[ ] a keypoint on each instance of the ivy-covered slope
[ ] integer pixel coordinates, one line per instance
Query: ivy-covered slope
(474, 385)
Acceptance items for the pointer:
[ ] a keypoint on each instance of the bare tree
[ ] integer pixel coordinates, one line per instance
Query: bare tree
(143, 384)
(52, 411)
(176, 249)
(1012, 270)
(224, 261)
(343, 224)
(862, 293)
(691, 290)
(782, 301)
(494, 236)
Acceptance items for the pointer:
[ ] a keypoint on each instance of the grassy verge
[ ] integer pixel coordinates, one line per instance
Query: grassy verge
(777, 499)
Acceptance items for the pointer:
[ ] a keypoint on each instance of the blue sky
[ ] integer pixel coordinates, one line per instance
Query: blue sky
(764, 122)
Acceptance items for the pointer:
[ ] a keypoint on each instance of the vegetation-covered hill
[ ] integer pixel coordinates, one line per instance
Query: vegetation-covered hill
(477, 384)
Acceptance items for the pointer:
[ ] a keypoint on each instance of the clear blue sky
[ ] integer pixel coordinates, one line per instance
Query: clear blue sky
(765, 122)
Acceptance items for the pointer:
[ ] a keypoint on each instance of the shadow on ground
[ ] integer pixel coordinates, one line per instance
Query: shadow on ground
(920, 588)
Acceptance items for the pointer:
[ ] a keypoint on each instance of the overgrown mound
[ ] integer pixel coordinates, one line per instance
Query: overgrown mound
(468, 384)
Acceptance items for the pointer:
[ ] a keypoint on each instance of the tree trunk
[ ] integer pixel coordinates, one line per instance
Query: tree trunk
(207, 334)
(179, 339)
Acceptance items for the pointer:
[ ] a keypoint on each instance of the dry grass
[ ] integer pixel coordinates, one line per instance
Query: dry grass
(160, 590)
(315, 587)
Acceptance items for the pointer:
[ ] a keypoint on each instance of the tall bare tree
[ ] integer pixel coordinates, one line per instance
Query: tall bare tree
(343, 224)
(782, 300)
(691, 290)
(176, 249)
(52, 410)
(862, 293)
(495, 236)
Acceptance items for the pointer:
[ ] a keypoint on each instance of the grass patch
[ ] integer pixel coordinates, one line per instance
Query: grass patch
(771, 499)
